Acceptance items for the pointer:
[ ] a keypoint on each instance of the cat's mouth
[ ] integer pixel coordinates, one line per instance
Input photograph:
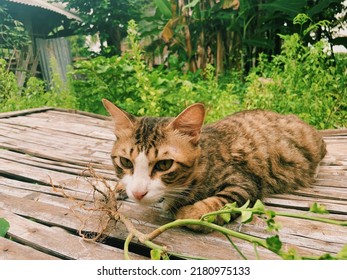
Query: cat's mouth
(147, 199)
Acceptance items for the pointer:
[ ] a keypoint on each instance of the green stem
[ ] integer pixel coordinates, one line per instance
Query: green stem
(282, 214)
(235, 247)
(126, 246)
(223, 230)
(147, 239)
(312, 218)
(144, 239)
(255, 246)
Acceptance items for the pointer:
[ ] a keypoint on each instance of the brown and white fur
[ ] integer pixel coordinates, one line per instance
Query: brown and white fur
(195, 169)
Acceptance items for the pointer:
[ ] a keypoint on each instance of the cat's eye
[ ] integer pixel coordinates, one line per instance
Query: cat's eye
(163, 165)
(126, 163)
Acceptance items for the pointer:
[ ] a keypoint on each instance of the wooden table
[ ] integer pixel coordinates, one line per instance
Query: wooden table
(44, 146)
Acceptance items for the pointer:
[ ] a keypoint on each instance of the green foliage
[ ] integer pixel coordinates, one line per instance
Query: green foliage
(273, 242)
(343, 253)
(318, 209)
(159, 254)
(34, 94)
(303, 80)
(107, 18)
(197, 29)
(8, 82)
(4, 227)
(131, 84)
(12, 32)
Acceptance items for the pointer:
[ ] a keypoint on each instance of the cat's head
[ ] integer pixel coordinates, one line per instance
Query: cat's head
(155, 157)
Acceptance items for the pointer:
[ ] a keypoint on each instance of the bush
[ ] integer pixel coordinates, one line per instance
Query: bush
(128, 82)
(8, 83)
(33, 95)
(302, 80)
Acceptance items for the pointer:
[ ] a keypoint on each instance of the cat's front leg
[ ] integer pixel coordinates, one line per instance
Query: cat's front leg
(200, 208)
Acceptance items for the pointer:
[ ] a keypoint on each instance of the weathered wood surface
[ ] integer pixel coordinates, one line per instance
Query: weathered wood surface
(44, 146)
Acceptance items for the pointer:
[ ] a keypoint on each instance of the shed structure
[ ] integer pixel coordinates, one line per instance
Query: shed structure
(47, 24)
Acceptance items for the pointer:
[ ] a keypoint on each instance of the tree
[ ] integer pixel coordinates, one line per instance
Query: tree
(12, 32)
(108, 18)
(232, 33)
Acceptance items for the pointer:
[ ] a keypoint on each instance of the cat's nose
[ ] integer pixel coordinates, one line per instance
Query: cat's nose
(139, 195)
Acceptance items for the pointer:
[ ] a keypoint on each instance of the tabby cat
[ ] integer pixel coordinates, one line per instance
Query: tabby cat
(195, 169)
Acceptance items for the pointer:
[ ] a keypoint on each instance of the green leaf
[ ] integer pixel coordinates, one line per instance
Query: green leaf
(156, 254)
(226, 217)
(246, 216)
(230, 206)
(291, 8)
(321, 6)
(261, 43)
(210, 218)
(274, 243)
(191, 4)
(343, 253)
(164, 7)
(4, 227)
(327, 257)
(245, 206)
(259, 206)
(273, 225)
(292, 254)
(318, 208)
(270, 214)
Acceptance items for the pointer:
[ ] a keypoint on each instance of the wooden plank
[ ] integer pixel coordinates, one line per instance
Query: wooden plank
(182, 241)
(334, 132)
(62, 126)
(85, 118)
(58, 242)
(47, 196)
(304, 203)
(83, 113)
(24, 112)
(323, 192)
(214, 243)
(331, 183)
(34, 174)
(61, 144)
(107, 170)
(78, 157)
(36, 133)
(307, 238)
(10, 250)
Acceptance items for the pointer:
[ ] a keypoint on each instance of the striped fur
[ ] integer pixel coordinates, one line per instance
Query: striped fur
(243, 157)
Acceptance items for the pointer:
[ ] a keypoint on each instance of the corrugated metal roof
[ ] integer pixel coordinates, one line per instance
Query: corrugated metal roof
(54, 7)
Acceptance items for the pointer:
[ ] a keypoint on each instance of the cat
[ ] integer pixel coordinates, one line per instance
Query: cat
(195, 169)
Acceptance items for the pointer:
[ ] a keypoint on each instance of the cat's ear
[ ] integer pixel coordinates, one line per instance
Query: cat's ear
(190, 121)
(123, 121)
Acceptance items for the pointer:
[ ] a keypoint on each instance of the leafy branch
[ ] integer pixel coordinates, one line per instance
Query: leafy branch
(107, 205)
(272, 243)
